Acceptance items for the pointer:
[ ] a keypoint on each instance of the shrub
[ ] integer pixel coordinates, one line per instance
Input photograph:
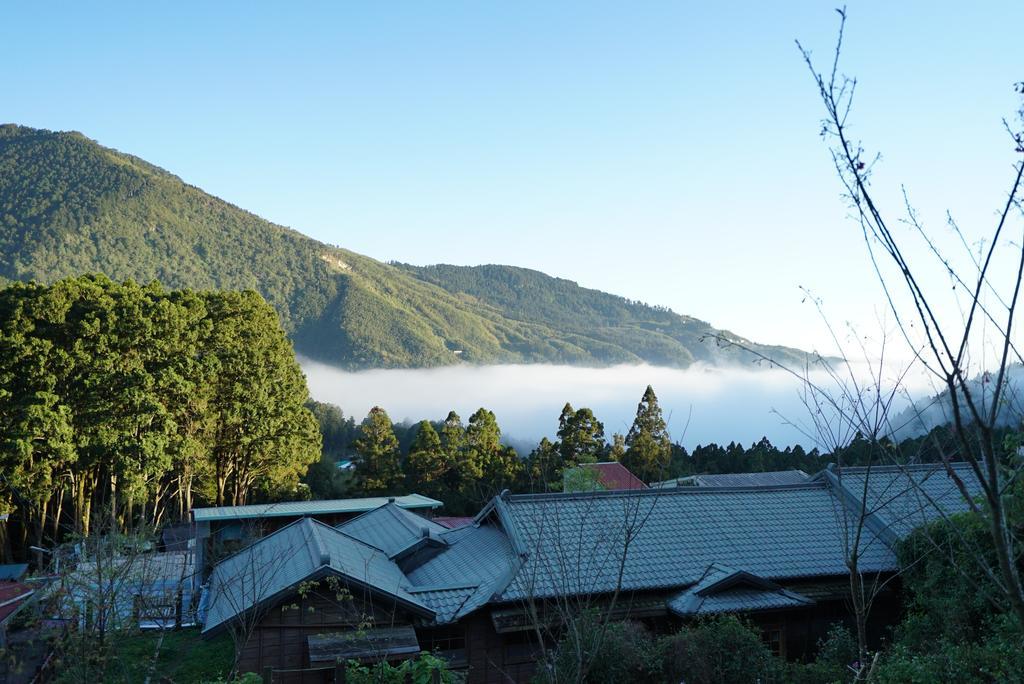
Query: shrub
(718, 649)
(592, 652)
(421, 669)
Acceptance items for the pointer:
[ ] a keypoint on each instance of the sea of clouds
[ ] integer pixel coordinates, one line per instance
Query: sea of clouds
(701, 404)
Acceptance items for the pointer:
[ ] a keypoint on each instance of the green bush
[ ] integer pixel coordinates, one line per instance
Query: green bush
(592, 652)
(835, 654)
(421, 669)
(998, 657)
(718, 649)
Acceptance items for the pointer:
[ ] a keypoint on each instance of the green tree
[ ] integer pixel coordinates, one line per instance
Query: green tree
(617, 448)
(377, 466)
(427, 464)
(544, 467)
(581, 437)
(648, 447)
(265, 437)
(487, 466)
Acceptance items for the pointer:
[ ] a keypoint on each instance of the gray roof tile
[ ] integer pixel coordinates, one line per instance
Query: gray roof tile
(725, 590)
(302, 508)
(390, 528)
(901, 498)
(298, 552)
(575, 543)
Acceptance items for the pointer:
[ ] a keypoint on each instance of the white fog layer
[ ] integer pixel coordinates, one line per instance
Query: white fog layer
(701, 404)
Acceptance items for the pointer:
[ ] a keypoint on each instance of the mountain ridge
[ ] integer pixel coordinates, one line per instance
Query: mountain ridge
(69, 205)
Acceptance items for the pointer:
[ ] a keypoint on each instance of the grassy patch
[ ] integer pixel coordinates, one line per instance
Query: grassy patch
(183, 657)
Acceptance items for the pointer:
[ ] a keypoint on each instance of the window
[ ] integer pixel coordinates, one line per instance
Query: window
(775, 637)
(449, 644)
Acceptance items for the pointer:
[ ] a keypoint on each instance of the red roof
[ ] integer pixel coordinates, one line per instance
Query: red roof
(12, 597)
(451, 522)
(613, 475)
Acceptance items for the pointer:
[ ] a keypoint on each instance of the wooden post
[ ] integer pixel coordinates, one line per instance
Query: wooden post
(268, 675)
(435, 676)
(339, 672)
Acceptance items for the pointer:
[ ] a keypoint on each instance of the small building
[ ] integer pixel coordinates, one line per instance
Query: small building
(220, 530)
(603, 476)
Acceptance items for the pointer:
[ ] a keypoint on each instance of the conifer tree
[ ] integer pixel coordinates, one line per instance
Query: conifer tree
(544, 467)
(648, 448)
(581, 437)
(377, 467)
(427, 464)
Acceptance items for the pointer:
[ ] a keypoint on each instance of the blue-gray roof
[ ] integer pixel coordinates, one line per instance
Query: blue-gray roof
(479, 559)
(576, 543)
(391, 529)
(725, 590)
(301, 508)
(720, 548)
(304, 550)
(900, 498)
(766, 479)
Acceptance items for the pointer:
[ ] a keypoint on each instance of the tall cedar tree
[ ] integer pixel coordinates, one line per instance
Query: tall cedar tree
(427, 464)
(488, 465)
(648, 447)
(544, 467)
(378, 467)
(581, 437)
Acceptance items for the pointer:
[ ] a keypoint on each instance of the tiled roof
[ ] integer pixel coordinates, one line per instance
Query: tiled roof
(768, 479)
(303, 550)
(575, 543)
(479, 557)
(452, 522)
(725, 590)
(900, 498)
(612, 475)
(301, 508)
(390, 528)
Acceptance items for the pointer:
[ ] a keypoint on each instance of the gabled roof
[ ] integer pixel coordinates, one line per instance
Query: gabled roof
(303, 508)
(612, 475)
(900, 498)
(478, 562)
(391, 529)
(304, 550)
(576, 543)
(725, 590)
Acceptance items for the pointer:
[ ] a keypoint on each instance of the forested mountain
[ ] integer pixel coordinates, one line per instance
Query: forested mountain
(70, 206)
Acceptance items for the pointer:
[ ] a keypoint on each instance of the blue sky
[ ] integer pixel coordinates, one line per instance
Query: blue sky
(668, 152)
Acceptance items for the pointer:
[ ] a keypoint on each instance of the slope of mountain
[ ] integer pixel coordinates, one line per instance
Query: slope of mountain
(69, 205)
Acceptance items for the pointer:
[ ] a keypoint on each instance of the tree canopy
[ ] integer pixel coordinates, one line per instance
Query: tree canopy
(134, 400)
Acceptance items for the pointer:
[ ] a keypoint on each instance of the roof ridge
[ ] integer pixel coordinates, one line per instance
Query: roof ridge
(936, 466)
(667, 491)
(317, 549)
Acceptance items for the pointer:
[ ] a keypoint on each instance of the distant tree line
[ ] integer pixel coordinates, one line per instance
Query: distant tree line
(141, 403)
(464, 465)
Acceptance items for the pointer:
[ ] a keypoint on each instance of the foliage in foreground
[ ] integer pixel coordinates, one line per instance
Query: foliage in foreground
(419, 670)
